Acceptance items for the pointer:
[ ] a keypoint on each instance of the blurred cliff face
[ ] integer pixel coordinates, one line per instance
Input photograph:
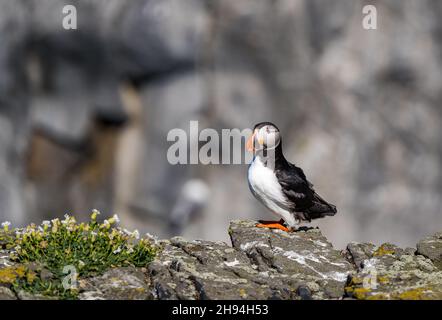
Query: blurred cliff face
(84, 114)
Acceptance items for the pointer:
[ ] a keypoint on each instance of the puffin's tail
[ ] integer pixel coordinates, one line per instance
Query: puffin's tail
(333, 210)
(323, 207)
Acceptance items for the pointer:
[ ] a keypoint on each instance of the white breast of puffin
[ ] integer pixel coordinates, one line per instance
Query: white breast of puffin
(266, 188)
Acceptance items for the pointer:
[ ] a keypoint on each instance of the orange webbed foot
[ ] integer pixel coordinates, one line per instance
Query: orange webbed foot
(273, 225)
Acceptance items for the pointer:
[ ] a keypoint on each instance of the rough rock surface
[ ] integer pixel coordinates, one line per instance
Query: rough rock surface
(389, 272)
(116, 284)
(431, 247)
(305, 257)
(7, 294)
(272, 264)
(4, 259)
(267, 264)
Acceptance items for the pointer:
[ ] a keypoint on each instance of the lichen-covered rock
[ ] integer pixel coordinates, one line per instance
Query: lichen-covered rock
(211, 270)
(262, 264)
(360, 252)
(431, 247)
(303, 256)
(389, 272)
(259, 264)
(116, 284)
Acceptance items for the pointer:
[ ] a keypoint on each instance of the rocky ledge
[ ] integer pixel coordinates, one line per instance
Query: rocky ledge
(270, 264)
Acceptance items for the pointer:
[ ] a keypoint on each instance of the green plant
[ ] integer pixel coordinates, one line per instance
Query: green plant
(90, 248)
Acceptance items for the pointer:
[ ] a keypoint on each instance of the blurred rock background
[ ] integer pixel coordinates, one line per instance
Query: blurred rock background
(84, 114)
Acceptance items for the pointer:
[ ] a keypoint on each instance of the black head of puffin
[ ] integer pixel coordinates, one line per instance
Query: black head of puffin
(265, 135)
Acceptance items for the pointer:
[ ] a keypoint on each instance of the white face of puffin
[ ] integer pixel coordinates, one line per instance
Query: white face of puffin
(265, 137)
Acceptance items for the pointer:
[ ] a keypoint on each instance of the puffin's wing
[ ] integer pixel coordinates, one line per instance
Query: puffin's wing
(295, 186)
(300, 192)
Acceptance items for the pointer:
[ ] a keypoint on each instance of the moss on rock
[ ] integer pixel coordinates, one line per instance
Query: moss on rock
(392, 273)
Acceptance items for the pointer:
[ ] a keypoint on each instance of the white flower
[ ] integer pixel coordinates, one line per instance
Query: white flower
(117, 251)
(136, 234)
(151, 237)
(6, 224)
(130, 250)
(106, 223)
(114, 219)
(127, 232)
(66, 220)
(94, 214)
(46, 223)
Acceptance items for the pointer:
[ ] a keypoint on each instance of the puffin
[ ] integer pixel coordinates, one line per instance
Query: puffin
(279, 185)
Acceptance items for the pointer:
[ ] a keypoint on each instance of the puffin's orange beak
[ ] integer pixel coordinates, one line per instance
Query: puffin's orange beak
(249, 144)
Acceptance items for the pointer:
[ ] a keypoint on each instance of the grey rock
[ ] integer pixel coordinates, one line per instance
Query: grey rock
(14, 120)
(360, 252)
(210, 270)
(4, 259)
(262, 264)
(431, 247)
(272, 264)
(156, 36)
(303, 255)
(46, 275)
(116, 284)
(304, 292)
(156, 196)
(24, 295)
(7, 294)
(389, 272)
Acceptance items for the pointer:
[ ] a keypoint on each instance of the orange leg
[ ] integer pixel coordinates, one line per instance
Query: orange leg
(273, 225)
